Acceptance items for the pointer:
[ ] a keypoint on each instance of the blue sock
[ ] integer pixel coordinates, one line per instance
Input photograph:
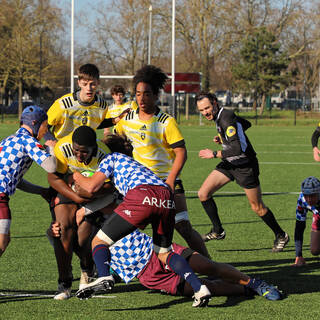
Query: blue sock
(254, 283)
(101, 256)
(180, 266)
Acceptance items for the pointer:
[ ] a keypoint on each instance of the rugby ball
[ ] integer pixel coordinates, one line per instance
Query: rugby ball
(87, 173)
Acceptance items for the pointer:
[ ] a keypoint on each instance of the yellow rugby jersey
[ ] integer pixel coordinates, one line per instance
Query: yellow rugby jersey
(153, 140)
(114, 110)
(68, 163)
(66, 114)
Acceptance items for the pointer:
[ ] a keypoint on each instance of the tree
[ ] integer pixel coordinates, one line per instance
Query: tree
(263, 66)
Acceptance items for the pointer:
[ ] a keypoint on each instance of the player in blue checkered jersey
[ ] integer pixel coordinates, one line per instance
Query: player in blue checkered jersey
(309, 200)
(147, 199)
(17, 152)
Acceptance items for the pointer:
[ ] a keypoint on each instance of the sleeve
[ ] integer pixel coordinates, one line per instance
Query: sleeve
(315, 137)
(106, 166)
(119, 127)
(298, 237)
(36, 151)
(231, 129)
(55, 113)
(173, 134)
(62, 163)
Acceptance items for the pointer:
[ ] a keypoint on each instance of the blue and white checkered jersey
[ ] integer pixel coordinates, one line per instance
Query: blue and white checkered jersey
(16, 155)
(127, 173)
(303, 207)
(130, 255)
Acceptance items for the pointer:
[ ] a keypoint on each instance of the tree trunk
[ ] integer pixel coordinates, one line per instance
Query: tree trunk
(20, 97)
(263, 103)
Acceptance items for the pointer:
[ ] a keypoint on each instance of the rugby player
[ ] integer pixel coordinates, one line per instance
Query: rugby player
(147, 199)
(118, 105)
(308, 200)
(314, 143)
(159, 145)
(239, 163)
(17, 152)
(78, 151)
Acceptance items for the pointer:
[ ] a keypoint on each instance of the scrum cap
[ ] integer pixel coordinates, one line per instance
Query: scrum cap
(33, 116)
(310, 185)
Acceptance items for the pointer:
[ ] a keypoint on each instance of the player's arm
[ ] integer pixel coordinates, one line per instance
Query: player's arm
(178, 163)
(301, 214)
(314, 141)
(106, 123)
(91, 184)
(56, 181)
(29, 187)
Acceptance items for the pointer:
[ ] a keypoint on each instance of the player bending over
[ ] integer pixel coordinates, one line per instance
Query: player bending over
(17, 152)
(147, 199)
(309, 200)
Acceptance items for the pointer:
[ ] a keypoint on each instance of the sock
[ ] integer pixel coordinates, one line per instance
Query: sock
(180, 266)
(211, 209)
(272, 223)
(101, 256)
(253, 283)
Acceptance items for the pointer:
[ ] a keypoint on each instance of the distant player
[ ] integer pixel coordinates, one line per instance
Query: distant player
(83, 107)
(239, 163)
(78, 151)
(118, 105)
(147, 199)
(17, 152)
(314, 142)
(159, 145)
(309, 200)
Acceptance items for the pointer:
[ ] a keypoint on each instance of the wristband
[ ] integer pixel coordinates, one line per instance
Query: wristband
(215, 154)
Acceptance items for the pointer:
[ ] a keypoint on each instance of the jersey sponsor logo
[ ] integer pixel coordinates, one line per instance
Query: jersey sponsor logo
(67, 102)
(84, 118)
(127, 212)
(163, 117)
(154, 202)
(231, 131)
(186, 275)
(67, 150)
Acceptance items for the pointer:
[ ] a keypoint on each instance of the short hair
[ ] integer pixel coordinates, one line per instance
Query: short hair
(88, 72)
(203, 94)
(117, 89)
(151, 75)
(118, 143)
(84, 136)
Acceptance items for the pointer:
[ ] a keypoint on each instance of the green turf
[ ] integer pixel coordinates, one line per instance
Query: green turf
(285, 155)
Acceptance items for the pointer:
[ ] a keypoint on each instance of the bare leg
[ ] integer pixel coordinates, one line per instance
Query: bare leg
(315, 243)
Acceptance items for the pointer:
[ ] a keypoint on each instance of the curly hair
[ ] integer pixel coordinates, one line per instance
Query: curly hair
(151, 75)
(118, 143)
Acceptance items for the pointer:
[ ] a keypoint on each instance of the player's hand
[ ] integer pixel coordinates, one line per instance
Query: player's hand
(54, 229)
(121, 115)
(316, 152)
(217, 140)
(80, 216)
(170, 184)
(206, 154)
(299, 262)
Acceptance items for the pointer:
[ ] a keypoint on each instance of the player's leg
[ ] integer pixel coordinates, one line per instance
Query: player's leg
(230, 275)
(315, 242)
(5, 222)
(255, 199)
(64, 214)
(212, 183)
(183, 225)
(111, 231)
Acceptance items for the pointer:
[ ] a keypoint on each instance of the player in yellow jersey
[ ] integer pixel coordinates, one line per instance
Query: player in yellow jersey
(159, 145)
(83, 107)
(76, 152)
(118, 105)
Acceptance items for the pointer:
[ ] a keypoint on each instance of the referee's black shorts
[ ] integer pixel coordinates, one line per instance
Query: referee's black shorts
(246, 176)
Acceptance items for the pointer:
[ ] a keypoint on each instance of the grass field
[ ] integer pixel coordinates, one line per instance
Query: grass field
(29, 274)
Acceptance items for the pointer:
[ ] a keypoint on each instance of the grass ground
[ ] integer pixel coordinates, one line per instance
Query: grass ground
(28, 266)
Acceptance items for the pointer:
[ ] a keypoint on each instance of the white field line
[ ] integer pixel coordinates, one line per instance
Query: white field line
(25, 295)
(239, 192)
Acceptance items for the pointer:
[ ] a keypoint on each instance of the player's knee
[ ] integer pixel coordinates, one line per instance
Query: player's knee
(202, 195)
(315, 251)
(3, 245)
